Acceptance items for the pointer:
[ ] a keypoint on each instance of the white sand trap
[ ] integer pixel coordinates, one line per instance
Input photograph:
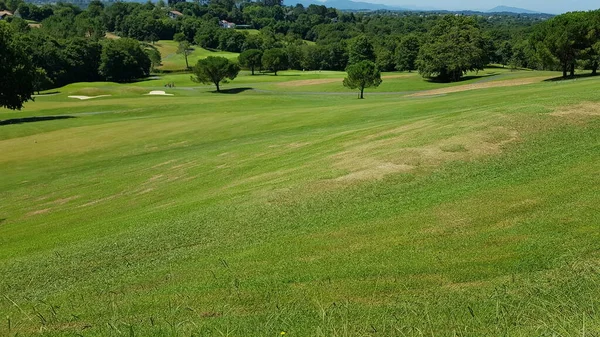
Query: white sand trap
(87, 97)
(158, 93)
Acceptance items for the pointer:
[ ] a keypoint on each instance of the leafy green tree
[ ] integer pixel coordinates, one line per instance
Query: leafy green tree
(360, 49)
(154, 56)
(384, 59)
(361, 75)
(12, 5)
(214, 70)
(16, 82)
(564, 37)
(454, 47)
(41, 80)
(251, 58)
(179, 37)
(505, 53)
(407, 52)
(185, 48)
(124, 60)
(275, 60)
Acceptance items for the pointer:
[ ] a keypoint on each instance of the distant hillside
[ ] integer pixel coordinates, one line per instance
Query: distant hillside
(506, 9)
(345, 4)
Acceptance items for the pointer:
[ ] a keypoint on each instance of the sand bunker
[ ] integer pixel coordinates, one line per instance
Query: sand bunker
(475, 86)
(158, 93)
(87, 97)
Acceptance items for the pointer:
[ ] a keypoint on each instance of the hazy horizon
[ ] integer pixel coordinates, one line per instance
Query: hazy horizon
(545, 6)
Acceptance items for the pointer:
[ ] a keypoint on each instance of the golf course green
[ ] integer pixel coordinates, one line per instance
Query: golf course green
(286, 206)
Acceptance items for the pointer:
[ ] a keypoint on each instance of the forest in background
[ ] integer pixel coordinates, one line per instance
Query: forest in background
(69, 44)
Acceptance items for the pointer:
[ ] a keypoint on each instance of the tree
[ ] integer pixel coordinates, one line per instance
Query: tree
(407, 53)
(123, 60)
(251, 58)
(16, 82)
(185, 48)
(275, 59)
(454, 47)
(214, 70)
(360, 49)
(41, 80)
(564, 37)
(364, 74)
(154, 56)
(179, 37)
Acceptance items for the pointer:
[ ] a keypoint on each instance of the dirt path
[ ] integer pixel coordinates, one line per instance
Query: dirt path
(481, 85)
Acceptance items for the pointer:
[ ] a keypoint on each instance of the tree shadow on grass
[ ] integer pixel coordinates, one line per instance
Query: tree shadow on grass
(33, 119)
(47, 93)
(232, 91)
(462, 79)
(569, 78)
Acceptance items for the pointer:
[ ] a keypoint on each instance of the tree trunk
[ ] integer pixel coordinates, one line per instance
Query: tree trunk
(564, 69)
(252, 70)
(572, 69)
(187, 66)
(595, 68)
(218, 89)
(361, 92)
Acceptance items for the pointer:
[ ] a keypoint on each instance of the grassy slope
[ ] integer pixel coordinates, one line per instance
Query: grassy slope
(472, 214)
(173, 61)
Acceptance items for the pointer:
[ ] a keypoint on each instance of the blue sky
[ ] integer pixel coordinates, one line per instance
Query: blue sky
(547, 6)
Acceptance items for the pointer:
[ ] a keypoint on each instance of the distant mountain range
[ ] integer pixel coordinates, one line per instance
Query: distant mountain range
(506, 9)
(358, 5)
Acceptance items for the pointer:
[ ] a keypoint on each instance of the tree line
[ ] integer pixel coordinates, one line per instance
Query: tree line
(70, 44)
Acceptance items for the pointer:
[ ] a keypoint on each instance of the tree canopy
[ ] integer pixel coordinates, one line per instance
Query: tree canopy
(454, 47)
(275, 60)
(251, 58)
(124, 60)
(214, 70)
(360, 49)
(16, 69)
(361, 75)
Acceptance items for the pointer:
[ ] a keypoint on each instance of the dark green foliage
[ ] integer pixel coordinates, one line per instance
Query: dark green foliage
(567, 38)
(16, 81)
(214, 70)
(251, 58)
(154, 56)
(275, 60)
(41, 80)
(407, 53)
(123, 60)
(360, 49)
(34, 12)
(454, 46)
(384, 58)
(361, 75)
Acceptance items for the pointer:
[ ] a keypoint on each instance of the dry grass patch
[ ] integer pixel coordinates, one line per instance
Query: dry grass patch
(585, 109)
(302, 83)
(476, 86)
(374, 157)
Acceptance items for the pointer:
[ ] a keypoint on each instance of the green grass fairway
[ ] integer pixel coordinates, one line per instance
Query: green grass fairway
(272, 208)
(171, 61)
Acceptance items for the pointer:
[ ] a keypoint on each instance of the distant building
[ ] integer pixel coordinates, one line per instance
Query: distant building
(5, 14)
(174, 14)
(226, 24)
